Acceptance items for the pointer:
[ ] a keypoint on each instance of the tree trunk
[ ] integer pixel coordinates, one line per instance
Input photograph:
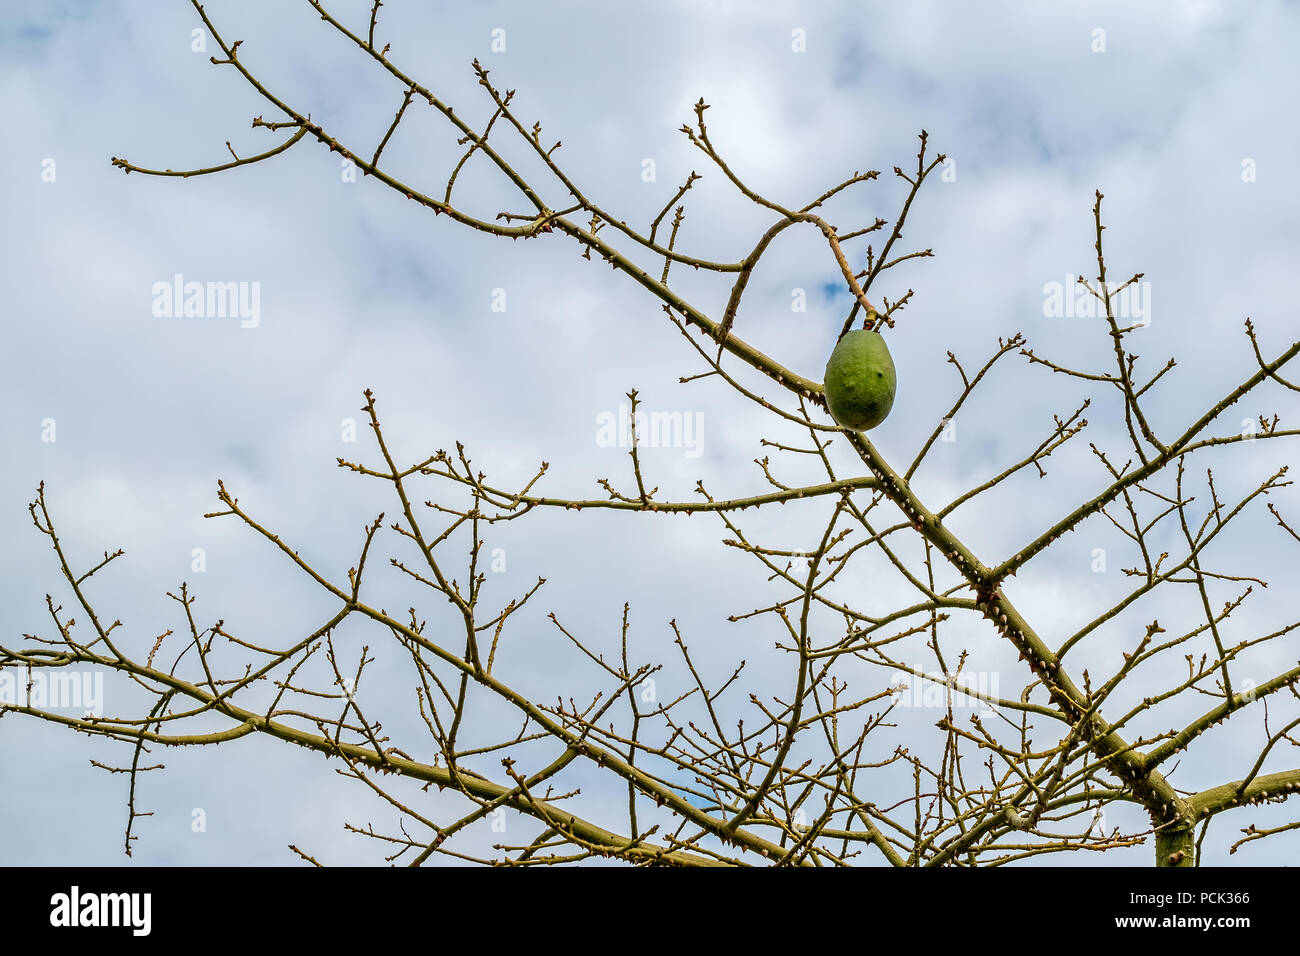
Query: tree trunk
(1176, 845)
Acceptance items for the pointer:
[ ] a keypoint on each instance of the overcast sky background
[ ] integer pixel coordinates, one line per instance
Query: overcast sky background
(360, 288)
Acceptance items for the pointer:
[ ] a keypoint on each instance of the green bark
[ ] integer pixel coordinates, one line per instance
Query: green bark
(1176, 845)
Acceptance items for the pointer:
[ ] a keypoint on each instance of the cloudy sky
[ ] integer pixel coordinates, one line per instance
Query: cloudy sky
(1176, 111)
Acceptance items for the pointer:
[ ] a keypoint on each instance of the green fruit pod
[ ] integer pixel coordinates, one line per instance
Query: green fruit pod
(860, 380)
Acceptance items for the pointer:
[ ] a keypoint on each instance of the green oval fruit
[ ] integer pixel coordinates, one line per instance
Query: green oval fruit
(860, 380)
